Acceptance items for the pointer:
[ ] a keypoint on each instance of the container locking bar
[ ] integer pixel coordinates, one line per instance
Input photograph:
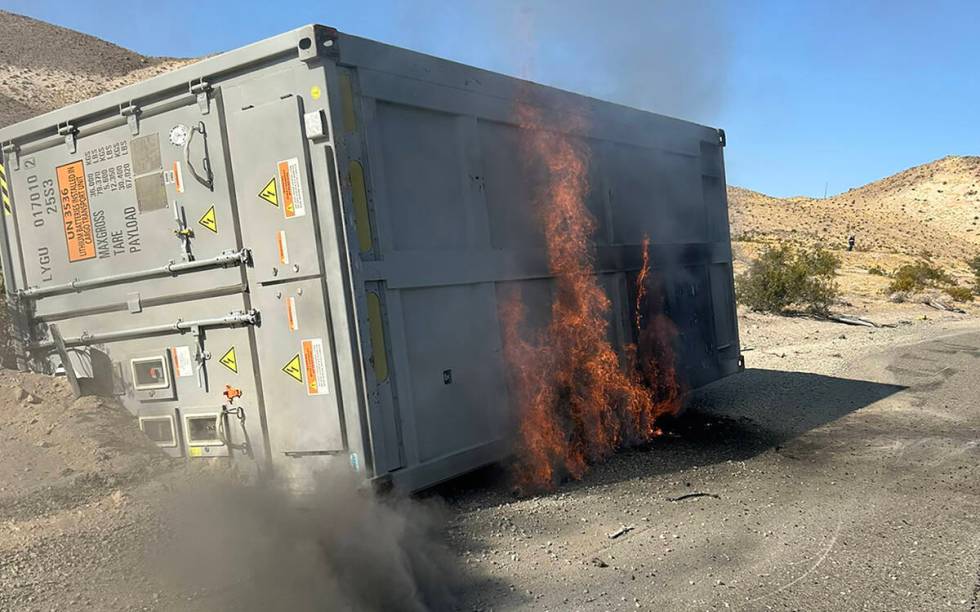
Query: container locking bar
(228, 258)
(233, 319)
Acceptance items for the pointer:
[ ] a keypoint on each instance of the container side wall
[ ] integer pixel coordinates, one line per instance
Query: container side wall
(451, 203)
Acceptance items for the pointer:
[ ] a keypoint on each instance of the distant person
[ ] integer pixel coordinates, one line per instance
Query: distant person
(850, 243)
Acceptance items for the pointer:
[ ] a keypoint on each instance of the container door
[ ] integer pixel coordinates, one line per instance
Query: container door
(129, 198)
(278, 221)
(124, 200)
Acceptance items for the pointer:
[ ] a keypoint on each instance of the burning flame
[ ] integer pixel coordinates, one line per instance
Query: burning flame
(577, 402)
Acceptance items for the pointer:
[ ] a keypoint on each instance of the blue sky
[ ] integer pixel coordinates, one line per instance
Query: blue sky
(810, 94)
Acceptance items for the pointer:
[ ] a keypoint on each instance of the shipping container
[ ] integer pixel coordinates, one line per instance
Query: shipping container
(293, 253)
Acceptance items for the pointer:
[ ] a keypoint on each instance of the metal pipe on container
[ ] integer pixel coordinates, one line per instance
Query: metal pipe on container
(234, 319)
(171, 269)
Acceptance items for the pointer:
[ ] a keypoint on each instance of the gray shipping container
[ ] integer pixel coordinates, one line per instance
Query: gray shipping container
(291, 253)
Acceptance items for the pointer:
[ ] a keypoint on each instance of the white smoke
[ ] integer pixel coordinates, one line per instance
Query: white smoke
(665, 56)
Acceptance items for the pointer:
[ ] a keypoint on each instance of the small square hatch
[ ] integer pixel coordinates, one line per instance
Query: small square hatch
(202, 432)
(150, 373)
(160, 429)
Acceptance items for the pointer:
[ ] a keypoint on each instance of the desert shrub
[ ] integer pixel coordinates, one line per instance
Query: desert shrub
(877, 270)
(783, 279)
(974, 265)
(918, 276)
(960, 294)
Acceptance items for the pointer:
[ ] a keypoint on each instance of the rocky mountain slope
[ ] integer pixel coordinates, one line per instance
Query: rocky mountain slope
(933, 208)
(44, 67)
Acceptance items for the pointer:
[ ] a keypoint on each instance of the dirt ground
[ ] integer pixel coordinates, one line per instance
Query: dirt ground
(838, 471)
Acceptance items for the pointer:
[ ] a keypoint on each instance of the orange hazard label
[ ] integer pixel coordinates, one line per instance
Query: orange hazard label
(291, 197)
(178, 178)
(315, 365)
(291, 314)
(75, 210)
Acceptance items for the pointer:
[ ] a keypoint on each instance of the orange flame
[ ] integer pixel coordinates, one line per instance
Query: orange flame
(641, 285)
(577, 403)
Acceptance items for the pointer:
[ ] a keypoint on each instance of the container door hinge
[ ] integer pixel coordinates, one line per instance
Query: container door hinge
(202, 89)
(721, 137)
(70, 132)
(132, 114)
(11, 152)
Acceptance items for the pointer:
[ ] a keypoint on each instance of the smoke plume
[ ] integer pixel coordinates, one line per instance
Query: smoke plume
(666, 56)
(257, 547)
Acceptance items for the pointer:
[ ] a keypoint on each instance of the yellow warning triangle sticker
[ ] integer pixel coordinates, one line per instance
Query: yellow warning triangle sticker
(294, 369)
(230, 360)
(269, 193)
(209, 220)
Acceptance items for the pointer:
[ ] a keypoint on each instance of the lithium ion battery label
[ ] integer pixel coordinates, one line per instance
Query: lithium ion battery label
(291, 196)
(230, 360)
(293, 368)
(76, 214)
(209, 220)
(269, 193)
(315, 365)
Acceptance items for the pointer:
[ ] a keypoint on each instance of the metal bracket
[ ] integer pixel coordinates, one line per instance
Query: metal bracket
(201, 89)
(316, 125)
(11, 152)
(132, 114)
(70, 132)
(244, 255)
(134, 302)
(59, 346)
(183, 233)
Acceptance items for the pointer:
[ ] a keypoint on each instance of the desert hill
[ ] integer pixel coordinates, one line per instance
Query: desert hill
(933, 208)
(44, 67)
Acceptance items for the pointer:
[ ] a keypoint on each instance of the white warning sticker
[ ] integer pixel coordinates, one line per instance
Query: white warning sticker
(315, 366)
(291, 197)
(282, 246)
(183, 365)
(291, 313)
